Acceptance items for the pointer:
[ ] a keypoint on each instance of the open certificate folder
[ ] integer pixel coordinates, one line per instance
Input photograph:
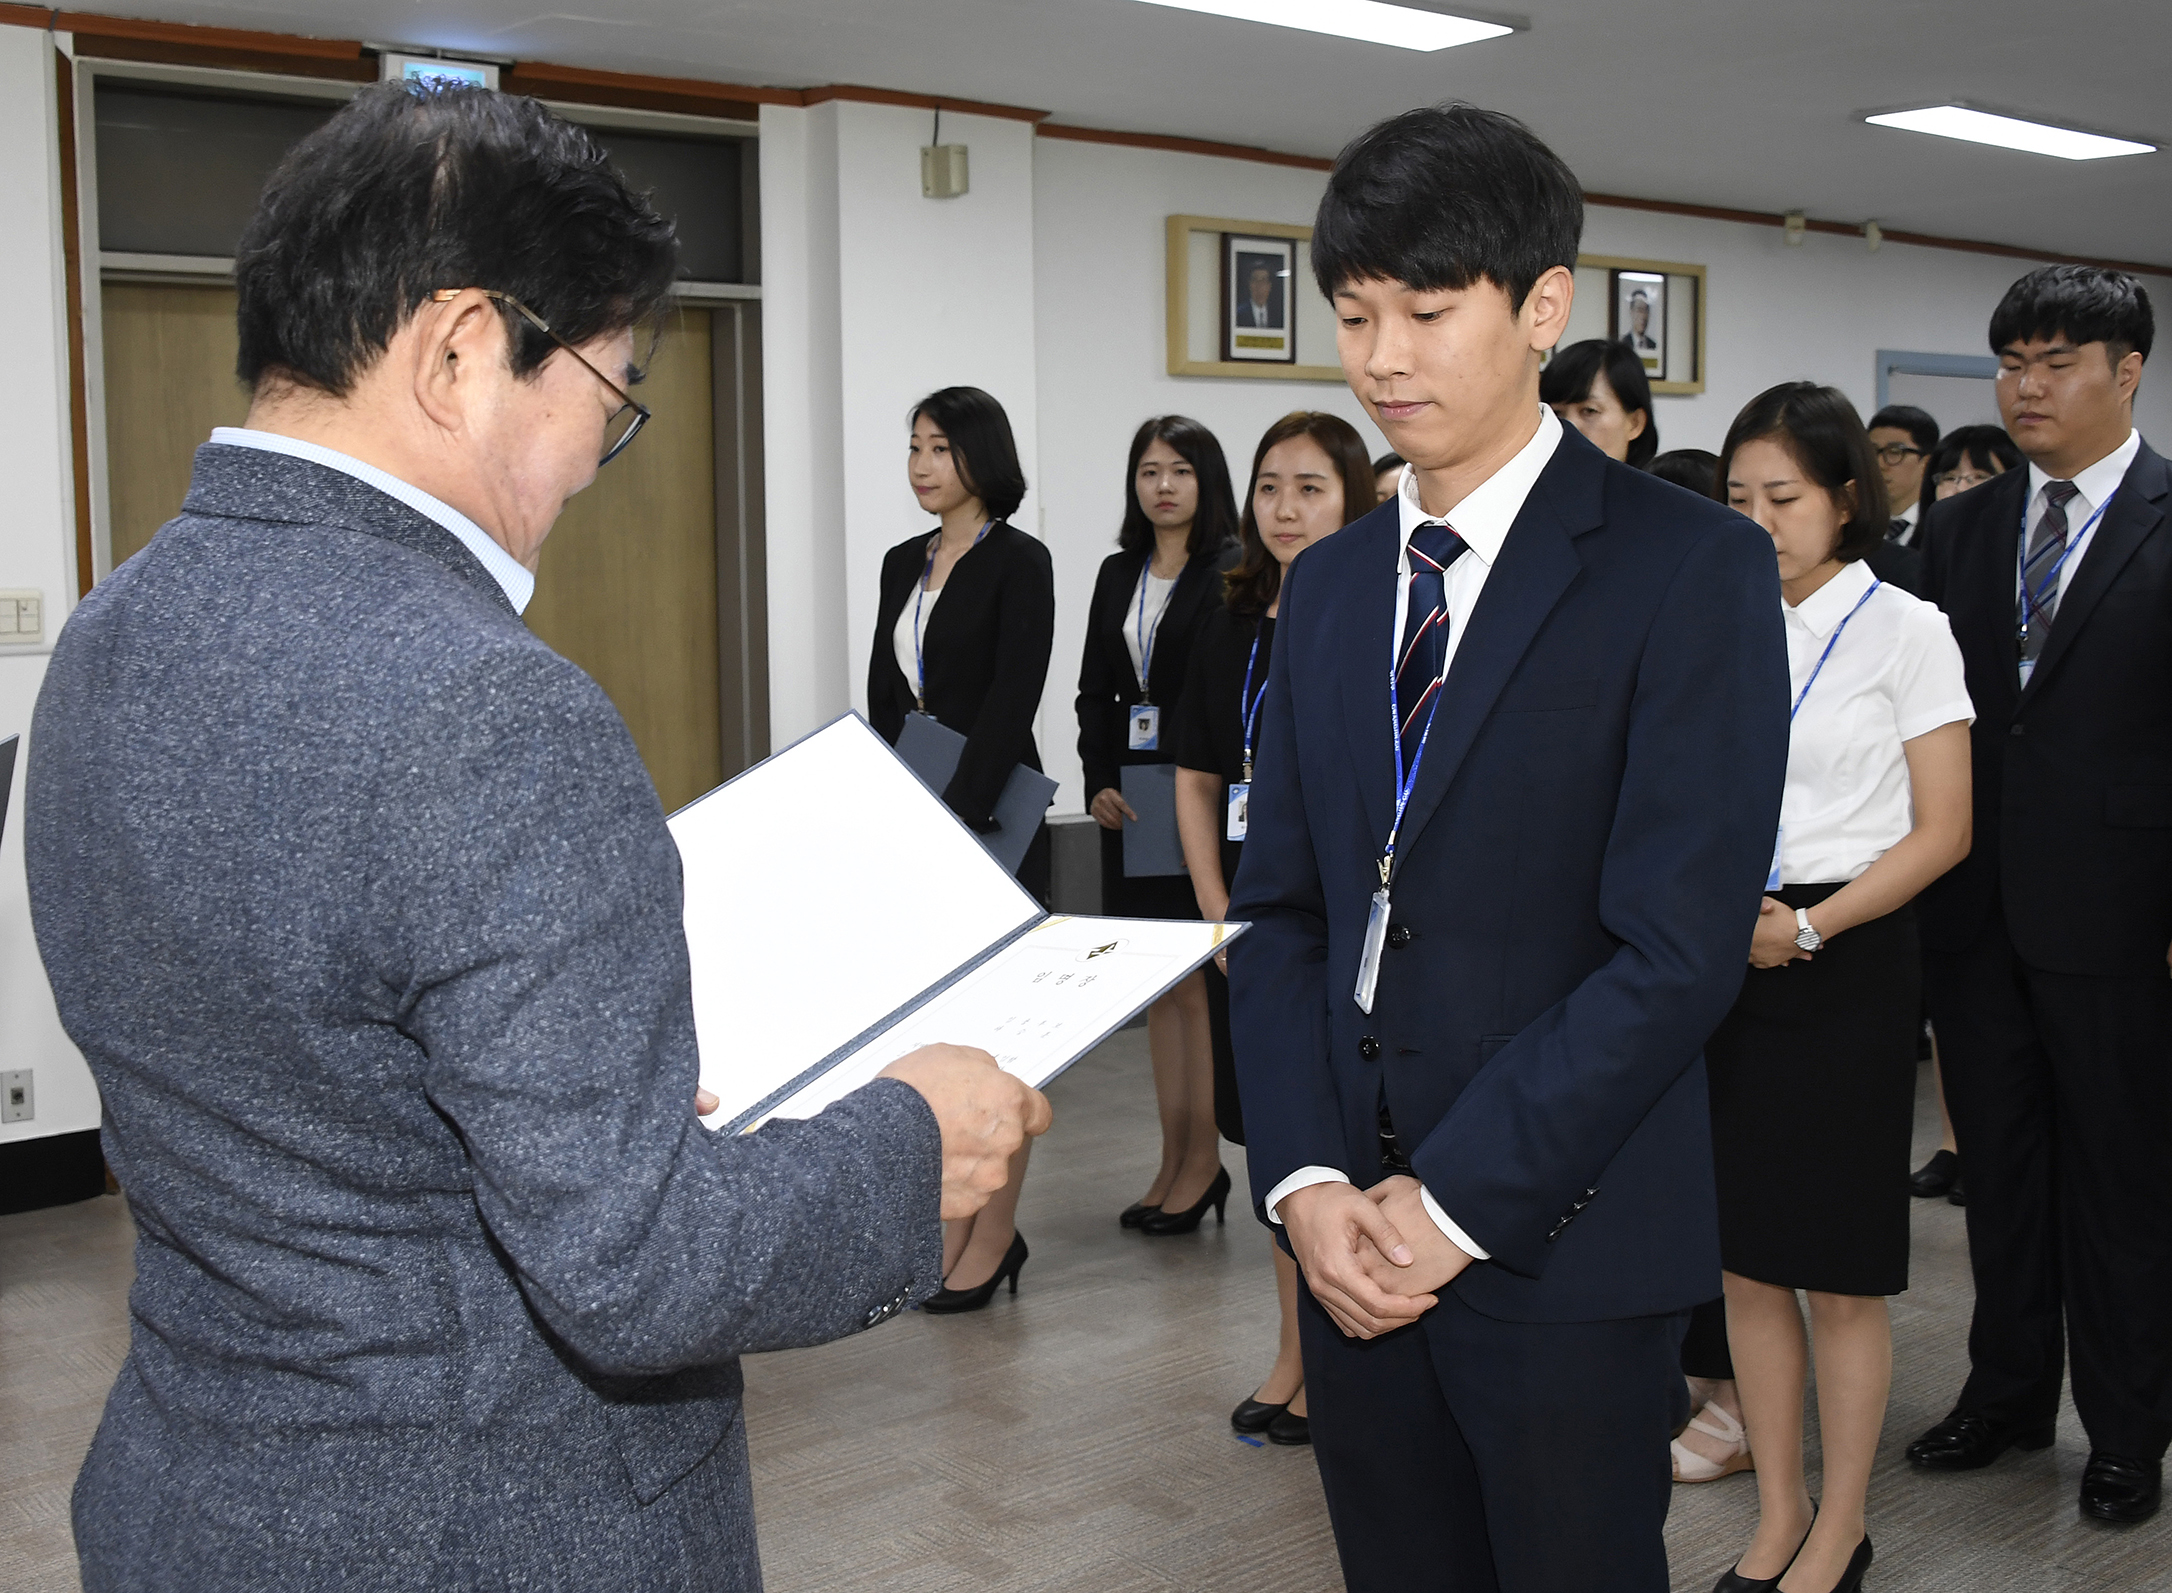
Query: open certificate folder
(838, 916)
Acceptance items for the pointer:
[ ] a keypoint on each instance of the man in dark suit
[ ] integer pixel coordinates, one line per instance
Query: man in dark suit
(2046, 951)
(362, 907)
(1262, 303)
(1498, 906)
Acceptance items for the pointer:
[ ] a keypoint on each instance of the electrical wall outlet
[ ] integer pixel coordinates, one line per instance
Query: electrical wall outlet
(22, 617)
(18, 1099)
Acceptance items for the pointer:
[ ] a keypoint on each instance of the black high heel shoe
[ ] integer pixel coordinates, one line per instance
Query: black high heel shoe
(1256, 1415)
(949, 1302)
(1165, 1222)
(1733, 1581)
(1135, 1214)
(1851, 1580)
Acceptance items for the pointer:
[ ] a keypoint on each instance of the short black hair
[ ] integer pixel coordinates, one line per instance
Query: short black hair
(411, 188)
(1985, 447)
(1693, 468)
(1443, 196)
(1569, 376)
(2088, 304)
(1214, 523)
(982, 448)
(1825, 437)
(1917, 423)
(1389, 462)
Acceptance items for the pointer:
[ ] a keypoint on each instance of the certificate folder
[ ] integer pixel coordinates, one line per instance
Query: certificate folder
(1151, 843)
(931, 749)
(838, 915)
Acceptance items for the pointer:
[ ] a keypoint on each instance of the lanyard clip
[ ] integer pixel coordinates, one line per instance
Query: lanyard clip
(1384, 866)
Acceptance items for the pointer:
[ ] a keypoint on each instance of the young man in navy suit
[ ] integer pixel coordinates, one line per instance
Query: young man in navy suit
(1517, 792)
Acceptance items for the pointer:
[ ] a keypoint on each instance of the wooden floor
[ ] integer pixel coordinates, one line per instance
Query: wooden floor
(1075, 1438)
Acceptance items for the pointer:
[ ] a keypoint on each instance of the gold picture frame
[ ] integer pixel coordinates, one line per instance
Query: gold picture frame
(1597, 292)
(1195, 253)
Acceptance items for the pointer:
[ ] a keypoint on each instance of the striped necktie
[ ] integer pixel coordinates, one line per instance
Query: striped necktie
(1423, 658)
(2040, 594)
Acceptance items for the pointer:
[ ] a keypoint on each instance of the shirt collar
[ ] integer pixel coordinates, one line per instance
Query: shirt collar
(1487, 512)
(1833, 602)
(2100, 480)
(512, 577)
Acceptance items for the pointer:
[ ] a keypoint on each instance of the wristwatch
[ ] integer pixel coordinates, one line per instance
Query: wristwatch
(1806, 937)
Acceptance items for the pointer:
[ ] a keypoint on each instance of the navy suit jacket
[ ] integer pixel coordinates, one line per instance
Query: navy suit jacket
(1577, 878)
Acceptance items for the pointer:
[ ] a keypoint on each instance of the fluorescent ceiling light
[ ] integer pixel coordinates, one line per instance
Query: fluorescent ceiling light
(2009, 132)
(1405, 27)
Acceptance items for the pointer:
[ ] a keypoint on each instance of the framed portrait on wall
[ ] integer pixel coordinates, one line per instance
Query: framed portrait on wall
(1259, 310)
(1640, 317)
(1656, 307)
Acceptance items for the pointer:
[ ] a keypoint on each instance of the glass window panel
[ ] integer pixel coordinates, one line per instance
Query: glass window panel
(696, 182)
(179, 173)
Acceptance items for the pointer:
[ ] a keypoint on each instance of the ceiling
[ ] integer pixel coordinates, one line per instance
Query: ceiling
(1751, 104)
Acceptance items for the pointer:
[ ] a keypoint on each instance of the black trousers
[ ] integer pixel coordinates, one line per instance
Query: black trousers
(1467, 1455)
(2060, 1089)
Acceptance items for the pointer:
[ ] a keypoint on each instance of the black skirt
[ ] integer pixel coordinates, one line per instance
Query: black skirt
(1813, 1077)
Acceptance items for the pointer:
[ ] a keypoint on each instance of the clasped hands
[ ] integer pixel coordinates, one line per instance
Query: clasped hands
(1373, 1258)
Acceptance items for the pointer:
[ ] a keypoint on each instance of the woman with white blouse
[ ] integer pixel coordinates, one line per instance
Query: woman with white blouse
(1813, 1071)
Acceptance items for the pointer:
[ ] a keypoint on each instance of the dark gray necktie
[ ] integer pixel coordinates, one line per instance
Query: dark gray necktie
(2039, 582)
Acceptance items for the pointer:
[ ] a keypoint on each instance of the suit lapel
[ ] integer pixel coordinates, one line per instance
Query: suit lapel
(1537, 564)
(1363, 643)
(2136, 511)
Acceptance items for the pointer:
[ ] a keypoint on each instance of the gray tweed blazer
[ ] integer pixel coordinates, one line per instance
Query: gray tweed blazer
(361, 905)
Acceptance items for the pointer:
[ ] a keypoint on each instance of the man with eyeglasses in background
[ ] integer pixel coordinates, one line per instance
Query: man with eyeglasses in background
(1903, 436)
(362, 908)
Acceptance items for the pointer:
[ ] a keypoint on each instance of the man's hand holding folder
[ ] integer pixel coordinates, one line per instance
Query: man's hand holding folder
(985, 1115)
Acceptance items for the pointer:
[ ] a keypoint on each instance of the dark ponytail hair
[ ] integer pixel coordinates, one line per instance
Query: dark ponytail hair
(1214, 525)
(1825, 437)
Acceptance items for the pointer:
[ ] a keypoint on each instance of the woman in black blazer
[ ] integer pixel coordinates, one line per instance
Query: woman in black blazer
(963, 633)
(1309, 479)
(1179, 533)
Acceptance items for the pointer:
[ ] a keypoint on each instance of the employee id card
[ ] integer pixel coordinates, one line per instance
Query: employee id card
(1240, 802)
(1144, 728)
(1779, 844)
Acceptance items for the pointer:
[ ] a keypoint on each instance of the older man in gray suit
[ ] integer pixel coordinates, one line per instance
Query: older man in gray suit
(359, 902)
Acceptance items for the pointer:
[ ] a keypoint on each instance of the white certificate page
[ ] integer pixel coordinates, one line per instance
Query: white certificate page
(1038, 1005)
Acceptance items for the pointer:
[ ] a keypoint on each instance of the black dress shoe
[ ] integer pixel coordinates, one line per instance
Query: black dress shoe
(1966, 1441)
(1938, 1176)
(949, 1302)
(1256, 1416)
(1288, 1429)
(1956, 1196)
(1165, 1222)
(1135, 1214)
(2117, 1489)
(1733, 1581)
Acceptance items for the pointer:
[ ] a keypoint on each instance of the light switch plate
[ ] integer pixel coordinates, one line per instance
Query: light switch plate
(22, 616)
(18, 1100)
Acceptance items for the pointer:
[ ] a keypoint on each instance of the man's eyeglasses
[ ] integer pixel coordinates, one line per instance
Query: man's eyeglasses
(624, 422)
(1890, 454)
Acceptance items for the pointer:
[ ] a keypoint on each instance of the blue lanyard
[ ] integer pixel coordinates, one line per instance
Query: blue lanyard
(1147, 638)
(1247, 704)
(1405, 783)
(1831, 642)
(927, 570)
(2032, 603)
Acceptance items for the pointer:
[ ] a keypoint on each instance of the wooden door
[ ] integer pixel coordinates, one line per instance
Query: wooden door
(628, 584)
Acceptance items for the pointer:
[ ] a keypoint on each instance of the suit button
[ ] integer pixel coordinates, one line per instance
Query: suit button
(1399, 936)
(1368, 1048)
(2014, 730)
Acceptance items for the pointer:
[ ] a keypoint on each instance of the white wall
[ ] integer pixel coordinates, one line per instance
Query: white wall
(37, 542)
(874, 296)
(1099, 241)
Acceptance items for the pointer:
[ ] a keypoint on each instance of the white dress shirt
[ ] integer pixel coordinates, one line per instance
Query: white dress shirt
(1139, 633)
(512, 577)
(909, 637)
(1482, 520)
(2095, 487)
(1894, 674)
(1906, 535)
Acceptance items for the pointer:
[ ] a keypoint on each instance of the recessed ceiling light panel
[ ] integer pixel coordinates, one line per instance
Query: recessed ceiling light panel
(1405, 27)
(2008, 132)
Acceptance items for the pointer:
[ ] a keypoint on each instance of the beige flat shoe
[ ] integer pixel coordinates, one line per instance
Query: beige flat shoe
(1713, 1422)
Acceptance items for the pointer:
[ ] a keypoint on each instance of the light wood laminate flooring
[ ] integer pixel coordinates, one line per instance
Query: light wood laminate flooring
(1076, 1437)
